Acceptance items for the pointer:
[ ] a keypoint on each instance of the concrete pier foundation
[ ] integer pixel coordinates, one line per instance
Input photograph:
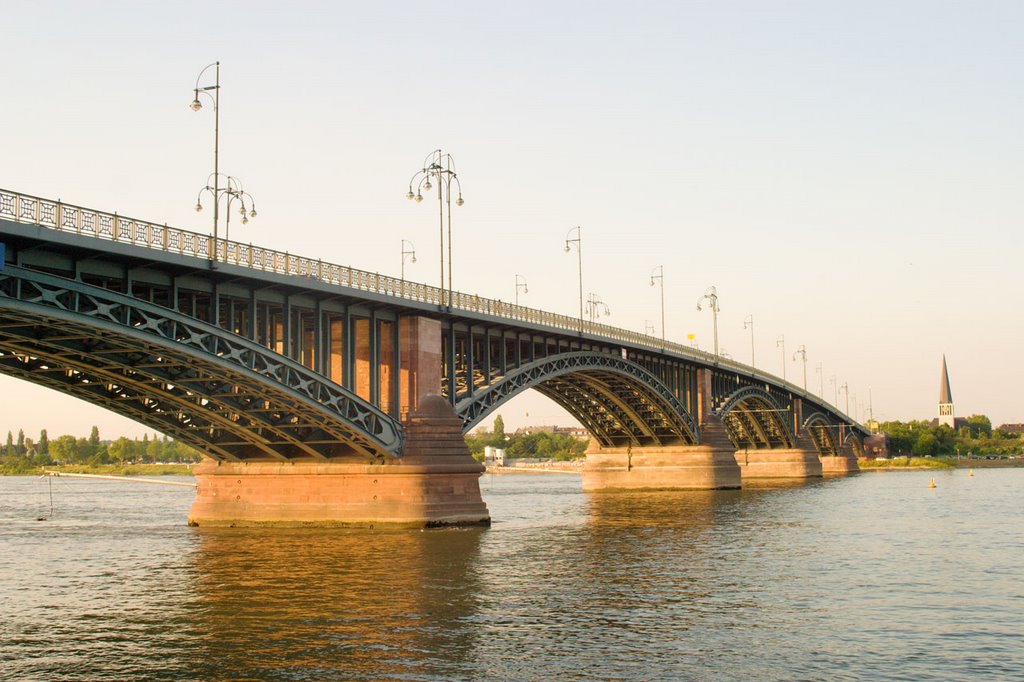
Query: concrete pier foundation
(838, 466)
(708, 466)
(435, 483)
(778, 463)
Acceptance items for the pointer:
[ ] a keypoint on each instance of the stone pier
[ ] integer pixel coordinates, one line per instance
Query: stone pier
(435, 483)
(778, 463)
(709, 466)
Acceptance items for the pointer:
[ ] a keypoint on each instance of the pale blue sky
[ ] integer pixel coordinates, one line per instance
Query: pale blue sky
(850, 173)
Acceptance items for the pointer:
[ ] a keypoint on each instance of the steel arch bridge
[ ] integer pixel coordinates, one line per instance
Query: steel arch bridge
(252, 354)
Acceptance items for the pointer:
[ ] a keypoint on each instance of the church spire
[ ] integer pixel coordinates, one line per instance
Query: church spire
(945, 397)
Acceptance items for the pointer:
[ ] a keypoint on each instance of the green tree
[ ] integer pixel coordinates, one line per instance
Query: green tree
(94, 437)
(43, 446)
(64, 449)
(980, 425)
(499, 429)
(20, 447)
(9, 448)
(926, 445)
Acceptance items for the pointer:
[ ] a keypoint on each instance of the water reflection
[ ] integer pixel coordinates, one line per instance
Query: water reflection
(334, 605)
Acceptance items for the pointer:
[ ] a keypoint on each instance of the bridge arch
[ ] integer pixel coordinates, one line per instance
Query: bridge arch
(855, 441)
(753, 419)
(227, 396)
(823, 434)
(618, 401)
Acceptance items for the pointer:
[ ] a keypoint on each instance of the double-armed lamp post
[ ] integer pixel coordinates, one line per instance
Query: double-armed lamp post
(711, 295)
(232, 189)
(440, 167)
(748, 323)
(802, 352)
(578, 243)
(661, 284)
(520, 286)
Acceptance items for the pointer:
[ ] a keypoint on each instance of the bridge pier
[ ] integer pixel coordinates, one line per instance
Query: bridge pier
(709, 466)
(436, 483)
(839, 466)
(778, 463)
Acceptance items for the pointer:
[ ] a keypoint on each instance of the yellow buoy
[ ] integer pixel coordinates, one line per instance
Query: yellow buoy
(970, 472)
(931, 483)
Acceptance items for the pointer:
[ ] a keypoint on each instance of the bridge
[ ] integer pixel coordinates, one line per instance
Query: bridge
(322, 393)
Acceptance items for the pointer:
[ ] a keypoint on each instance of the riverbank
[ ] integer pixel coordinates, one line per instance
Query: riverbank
(105, 470)
(904, 463)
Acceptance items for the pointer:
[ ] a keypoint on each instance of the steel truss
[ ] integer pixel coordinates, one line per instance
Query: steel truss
(221, 393)
(619, 402)
(754, 419)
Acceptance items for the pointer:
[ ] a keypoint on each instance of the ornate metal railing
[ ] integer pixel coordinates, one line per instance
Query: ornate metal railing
(24, 208)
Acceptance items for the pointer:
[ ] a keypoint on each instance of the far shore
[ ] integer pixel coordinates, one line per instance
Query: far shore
(107, 470)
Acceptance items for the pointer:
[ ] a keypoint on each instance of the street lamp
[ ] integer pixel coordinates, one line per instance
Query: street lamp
(520, 286)
(407, 254)
(846, 389)
(749, 323)
(578, 241)
(821, 380)
(648, 328)
(594, 307)
(781, 343)
(661, 281)
(835, 390)
(196, 106)
(711, 294)
(802, 352)
(231, 191)
(441, 167)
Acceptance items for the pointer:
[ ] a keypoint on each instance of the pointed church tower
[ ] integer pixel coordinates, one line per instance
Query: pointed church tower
(945, 398)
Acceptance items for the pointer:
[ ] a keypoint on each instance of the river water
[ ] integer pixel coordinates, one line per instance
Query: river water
(873, 576)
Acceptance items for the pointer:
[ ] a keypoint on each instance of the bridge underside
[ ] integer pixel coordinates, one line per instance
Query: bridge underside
(227, 397)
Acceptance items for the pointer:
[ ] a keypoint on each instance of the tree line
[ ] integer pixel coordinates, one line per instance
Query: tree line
(21, 452)
(975, 437)
(540, 445)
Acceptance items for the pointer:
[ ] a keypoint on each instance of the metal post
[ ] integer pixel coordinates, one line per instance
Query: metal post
(750, 322)
(781, 343)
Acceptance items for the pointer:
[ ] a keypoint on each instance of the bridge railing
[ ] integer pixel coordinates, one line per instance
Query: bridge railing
(32, 210)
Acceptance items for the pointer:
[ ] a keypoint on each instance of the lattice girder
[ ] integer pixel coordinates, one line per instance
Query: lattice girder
(215, 390)
(619, 401)
(755, 420)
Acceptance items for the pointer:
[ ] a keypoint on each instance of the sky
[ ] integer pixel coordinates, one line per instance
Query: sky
(849, 174)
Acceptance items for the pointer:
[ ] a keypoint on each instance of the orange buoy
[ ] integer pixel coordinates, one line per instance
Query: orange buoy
(931, 484)
(970, 472)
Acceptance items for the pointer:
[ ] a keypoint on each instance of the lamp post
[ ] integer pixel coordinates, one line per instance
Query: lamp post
(441, 167)
(231, 191)
(661, 281)
(846, 390)
(781, 343)
(520, 286)
(196, 106)
(594, 307)
(407, 254)
(821, 380)
(749, 323)
(802, 352)
(648, 328)
(578, 241)
(711, 294)
(835, 390)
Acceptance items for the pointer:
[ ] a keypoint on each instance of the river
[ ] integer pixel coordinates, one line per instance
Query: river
(874, 576)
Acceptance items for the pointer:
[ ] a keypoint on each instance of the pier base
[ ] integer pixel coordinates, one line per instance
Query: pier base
(691, 467)
(838, 466)
(780, 463)
(435, 483)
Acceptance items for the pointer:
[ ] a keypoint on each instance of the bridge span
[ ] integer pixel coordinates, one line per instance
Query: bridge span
(326, 394)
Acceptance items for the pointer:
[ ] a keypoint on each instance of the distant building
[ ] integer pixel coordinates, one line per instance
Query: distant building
(494, 456)
(946, 412)
(574, 431)
(945, 398)
(1016, 429)
(876, 446)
